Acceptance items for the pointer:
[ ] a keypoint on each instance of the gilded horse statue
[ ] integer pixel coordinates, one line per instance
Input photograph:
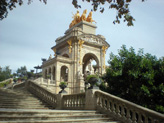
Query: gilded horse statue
(83, 16)
(77, 19)
(89, 18)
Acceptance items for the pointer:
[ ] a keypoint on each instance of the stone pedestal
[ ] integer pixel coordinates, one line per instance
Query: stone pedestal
(90, 100)
(81, 84)
(60, 100)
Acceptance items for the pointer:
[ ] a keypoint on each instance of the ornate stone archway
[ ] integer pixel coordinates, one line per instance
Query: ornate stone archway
(87, 58)
(81, 45)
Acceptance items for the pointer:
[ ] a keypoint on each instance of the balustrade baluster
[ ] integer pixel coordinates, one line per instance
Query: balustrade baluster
(128, 116)
(83, 101)
(80, 102)
(108, 105)
(76, 103)
(103, 104)
(113, 108)
(134, 117)
(152, 120)
(98, 96)
(66, 101)
(118, 110)
(146, 119)
(123, 112)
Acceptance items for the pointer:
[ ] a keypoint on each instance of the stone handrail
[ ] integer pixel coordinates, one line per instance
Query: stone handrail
(74, 101)
(4, 81)
(124, 110)
(18, 85)
(42, 93)
(119, 109)
(45, 82)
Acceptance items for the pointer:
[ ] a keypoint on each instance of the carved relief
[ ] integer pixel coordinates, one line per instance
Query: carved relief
(81, 42)
(70, 46)
(92, 39)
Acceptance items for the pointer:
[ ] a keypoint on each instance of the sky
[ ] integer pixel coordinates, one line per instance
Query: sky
(29, 31)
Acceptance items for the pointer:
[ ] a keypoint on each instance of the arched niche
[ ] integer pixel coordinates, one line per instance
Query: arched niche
(53, 73)
(49, 70)
(45, 74)
(64, 74)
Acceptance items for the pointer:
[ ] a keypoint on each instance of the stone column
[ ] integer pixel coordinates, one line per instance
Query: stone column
(74, 66)
(58, 71)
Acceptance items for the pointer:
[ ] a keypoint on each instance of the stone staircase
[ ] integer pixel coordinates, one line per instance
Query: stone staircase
(19, 106)
(20, 99)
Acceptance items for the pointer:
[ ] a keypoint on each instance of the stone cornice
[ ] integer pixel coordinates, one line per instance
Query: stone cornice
(57, 58)
(94, 40)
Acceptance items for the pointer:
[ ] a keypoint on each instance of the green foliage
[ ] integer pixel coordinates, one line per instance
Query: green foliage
(4, 83)
(121, 6)
(22, 71)
(5, 73)
(91, 76)
(48, 76)
(30, 74)
(63, 84)
(137, 77)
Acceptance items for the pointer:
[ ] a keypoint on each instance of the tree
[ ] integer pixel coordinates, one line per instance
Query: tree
(121, 6)
(5, 73)
(137, 77)
(22, 72)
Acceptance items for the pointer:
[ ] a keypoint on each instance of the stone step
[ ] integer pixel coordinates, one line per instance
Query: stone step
(12, 92)
(17, 97)
(22, 102)
(94, 120)
(27, 98)
(32, 105)
(20, 107)
(50, 117)
(49, 112)
(23, 105)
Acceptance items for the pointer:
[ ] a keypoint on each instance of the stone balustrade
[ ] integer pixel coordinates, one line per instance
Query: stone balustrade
(45, 82)
(119, 109)
(6, 80)
(124, 110)
(74, 101)
(42, 93)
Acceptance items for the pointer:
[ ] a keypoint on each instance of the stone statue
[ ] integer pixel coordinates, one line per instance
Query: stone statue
(83, 16)
(89, 18)
(50, 57)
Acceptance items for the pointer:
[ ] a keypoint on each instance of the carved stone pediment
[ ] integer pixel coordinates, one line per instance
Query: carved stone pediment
(96, 39)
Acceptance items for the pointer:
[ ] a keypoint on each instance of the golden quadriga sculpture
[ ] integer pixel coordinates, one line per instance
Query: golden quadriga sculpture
(76, 18)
